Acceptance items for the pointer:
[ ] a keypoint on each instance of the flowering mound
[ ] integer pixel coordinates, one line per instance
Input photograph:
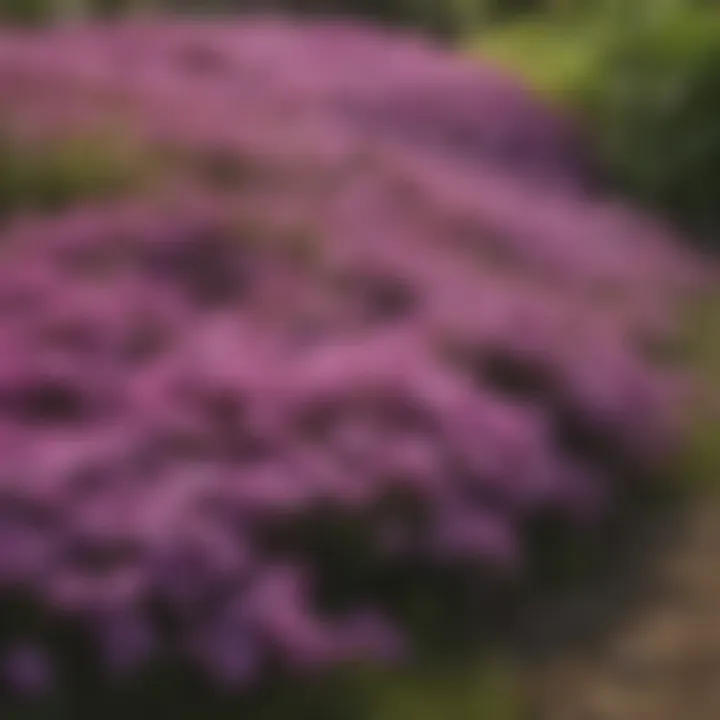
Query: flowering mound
(322, 327)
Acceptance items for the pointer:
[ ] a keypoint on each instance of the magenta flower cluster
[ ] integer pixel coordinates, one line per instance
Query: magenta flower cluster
(367, 278)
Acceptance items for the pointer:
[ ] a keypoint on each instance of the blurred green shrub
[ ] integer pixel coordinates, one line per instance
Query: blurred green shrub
(555, 57)
(35, 12)
(449, 17)
(653, 95)
(27, 12)
(646, 76)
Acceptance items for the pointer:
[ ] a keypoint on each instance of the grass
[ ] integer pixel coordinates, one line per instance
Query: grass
(488, 690)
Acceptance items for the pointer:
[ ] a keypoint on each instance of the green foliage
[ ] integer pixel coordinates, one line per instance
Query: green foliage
(51, 175)
(654, 97)
(26, 12)
(468, 691)
(37, 12)
(449, 17)
(647, 78)
(554, 57)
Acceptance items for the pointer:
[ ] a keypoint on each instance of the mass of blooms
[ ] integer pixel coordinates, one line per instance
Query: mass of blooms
(362, 281)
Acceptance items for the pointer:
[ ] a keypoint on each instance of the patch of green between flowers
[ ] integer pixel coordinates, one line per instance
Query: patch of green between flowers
(51, 175)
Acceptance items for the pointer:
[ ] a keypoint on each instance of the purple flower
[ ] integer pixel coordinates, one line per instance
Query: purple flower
(365, 292)
(26, 668)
